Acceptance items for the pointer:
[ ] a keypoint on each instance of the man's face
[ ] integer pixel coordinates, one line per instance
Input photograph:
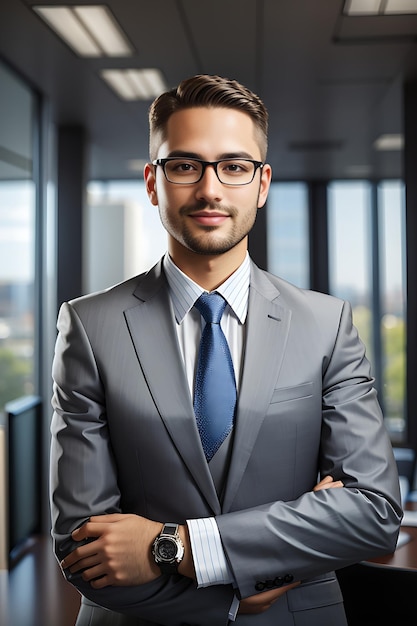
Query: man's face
(208, 217)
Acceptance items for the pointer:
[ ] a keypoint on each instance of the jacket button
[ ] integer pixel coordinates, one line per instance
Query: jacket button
(260, 586)
(278, 581)
(288, 578)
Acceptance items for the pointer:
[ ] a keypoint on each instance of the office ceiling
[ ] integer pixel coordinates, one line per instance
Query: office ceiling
(333, 84)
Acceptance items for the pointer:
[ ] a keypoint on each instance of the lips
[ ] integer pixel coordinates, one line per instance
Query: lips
(209, 218)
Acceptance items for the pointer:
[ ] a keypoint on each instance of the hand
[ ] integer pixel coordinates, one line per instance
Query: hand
(328, 483)
(119, 553)
(263, 601)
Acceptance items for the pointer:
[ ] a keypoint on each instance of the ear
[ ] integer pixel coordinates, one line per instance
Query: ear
(266, 176)
(149, 172)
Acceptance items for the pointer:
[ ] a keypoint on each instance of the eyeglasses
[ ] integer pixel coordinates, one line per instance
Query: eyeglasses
(184, 171)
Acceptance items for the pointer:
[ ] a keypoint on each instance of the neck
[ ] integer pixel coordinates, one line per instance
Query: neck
(209, 271)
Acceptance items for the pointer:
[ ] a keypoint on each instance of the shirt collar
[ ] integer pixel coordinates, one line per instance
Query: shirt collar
(184, 291)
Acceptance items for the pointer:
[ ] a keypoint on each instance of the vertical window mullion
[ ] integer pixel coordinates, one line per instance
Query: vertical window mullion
(376, 316)
(318, 237)
(38, 252)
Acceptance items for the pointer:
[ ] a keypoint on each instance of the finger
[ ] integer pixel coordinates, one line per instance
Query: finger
(108, 518)
(84, 564)
(103, 581)
(321, 484)
(336, 484)
(327, 479)
(80, 553)
(291, 586)
(88, 530)
(328, 485)
(96, 525)
(95, 572)
(263, 601)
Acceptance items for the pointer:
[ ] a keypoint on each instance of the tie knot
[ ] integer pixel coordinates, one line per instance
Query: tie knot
(211, 307)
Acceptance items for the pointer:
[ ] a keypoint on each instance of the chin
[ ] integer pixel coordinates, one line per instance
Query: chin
(215, 247)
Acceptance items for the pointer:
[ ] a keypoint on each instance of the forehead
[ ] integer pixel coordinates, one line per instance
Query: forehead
(210, 132)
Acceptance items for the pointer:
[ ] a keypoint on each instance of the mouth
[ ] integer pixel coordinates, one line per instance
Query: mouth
(209, 218)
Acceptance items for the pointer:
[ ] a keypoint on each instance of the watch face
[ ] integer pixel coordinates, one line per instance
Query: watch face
(167, 549)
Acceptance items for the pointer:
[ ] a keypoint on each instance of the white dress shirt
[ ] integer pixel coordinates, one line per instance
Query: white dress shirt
(209, 559)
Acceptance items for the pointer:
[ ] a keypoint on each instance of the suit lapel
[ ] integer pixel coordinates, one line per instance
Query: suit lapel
(151, 326)
(267, 331)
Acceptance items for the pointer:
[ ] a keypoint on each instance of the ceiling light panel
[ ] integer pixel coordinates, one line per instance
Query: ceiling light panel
(116, 79)
(400, 7)
(389, 142)
(148, 83)
(104, 28)
(379, 7)
(91, 31)
(64, 22)
(134, 84)
(362, 7)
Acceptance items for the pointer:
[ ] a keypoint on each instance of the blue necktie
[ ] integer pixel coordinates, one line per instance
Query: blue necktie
(215, 386)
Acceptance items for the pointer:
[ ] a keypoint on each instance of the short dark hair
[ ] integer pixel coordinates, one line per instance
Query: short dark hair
(204, 90)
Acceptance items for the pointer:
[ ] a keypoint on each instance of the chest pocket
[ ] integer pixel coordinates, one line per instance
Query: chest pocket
(292, 393)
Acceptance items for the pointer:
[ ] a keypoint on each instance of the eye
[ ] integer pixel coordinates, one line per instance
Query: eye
(180, 166)
(235, 167)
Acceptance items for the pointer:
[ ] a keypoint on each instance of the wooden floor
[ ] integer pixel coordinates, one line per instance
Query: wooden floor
(34, 592)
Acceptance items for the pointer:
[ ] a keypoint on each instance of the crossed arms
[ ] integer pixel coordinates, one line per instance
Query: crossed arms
(120, 554)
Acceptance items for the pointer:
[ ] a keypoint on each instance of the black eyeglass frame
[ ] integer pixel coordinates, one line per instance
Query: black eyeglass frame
(205, 164)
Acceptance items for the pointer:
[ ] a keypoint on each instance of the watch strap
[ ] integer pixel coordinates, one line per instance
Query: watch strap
(169, 528)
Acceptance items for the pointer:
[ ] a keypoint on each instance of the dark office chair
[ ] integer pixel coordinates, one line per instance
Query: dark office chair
(378, 595)
(406, 464)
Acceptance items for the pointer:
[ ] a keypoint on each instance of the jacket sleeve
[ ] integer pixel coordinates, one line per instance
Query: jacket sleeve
(319, 532)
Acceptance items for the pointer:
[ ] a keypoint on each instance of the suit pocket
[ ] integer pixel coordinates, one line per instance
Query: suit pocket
(320, 591)
(292, 393)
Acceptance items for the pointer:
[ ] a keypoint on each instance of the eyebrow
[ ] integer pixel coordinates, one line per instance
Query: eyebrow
(221, 157)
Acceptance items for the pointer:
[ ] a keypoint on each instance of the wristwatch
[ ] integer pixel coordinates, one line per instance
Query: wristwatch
(168, 549)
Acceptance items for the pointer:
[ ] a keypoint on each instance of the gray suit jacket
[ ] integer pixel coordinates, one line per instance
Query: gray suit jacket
(124, 438)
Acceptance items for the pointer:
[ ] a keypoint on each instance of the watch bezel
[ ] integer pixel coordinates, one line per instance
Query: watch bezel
(168, 534)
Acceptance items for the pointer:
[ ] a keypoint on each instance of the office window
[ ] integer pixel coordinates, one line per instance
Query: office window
(366, 267)
(366, 259)
(18, 321)
(391, 198)
(287, 232)
(350, 252)
(124, 235)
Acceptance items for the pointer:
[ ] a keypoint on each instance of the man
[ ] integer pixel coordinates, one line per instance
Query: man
(147, 523)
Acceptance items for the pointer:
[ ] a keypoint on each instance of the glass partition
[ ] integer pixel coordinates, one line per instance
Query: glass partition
(391, 197)
(124, 235)
(367, 267)
(17, 239)
(287, 232)
(350, 252)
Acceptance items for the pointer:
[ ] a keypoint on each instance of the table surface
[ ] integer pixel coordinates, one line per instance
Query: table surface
(405, 556)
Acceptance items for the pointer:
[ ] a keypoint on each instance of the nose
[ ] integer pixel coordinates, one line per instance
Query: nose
(209, 187)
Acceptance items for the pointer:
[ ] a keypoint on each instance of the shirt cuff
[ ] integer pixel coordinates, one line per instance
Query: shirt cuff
(210, 562)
